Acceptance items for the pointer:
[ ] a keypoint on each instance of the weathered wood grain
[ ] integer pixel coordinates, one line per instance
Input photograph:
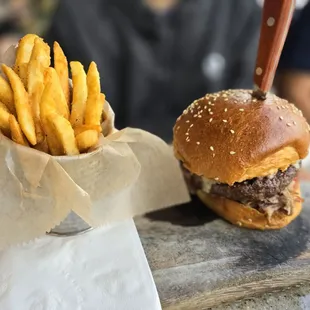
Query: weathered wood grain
(199, 261)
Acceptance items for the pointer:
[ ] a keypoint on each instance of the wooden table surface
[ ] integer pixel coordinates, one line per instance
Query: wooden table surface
(199, 261)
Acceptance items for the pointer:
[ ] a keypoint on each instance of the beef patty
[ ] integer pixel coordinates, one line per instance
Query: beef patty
(264, 193)
(257, 189)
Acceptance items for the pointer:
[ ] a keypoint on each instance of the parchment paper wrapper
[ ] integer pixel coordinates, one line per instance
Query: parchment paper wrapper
(132, 172)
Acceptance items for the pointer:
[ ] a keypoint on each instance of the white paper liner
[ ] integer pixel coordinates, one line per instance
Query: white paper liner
(132, 172)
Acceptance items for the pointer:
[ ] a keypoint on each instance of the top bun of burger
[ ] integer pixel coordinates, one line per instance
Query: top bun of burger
(230, 136)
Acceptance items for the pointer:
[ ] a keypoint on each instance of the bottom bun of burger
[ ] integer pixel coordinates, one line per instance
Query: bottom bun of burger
(246, 216)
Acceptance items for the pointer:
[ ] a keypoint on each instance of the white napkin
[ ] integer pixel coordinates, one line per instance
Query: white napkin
(103, 269)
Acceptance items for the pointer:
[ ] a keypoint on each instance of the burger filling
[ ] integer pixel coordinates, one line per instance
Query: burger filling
(266, 194)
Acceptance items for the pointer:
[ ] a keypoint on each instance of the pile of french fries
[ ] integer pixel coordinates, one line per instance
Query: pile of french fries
(39, 109)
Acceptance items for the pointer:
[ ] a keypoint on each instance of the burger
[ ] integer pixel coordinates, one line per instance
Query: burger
(241, 156)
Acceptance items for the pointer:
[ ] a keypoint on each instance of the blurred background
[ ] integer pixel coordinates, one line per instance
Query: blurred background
(157, 56)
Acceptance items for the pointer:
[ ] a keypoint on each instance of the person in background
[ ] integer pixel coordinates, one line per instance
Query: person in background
(19, 17)
(293, 80)
(157, 56)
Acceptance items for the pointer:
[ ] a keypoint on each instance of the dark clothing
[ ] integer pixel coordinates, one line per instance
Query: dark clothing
(153, 66)
(296, 53)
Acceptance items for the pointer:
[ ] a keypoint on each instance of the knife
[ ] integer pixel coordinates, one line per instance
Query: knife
(276, 20)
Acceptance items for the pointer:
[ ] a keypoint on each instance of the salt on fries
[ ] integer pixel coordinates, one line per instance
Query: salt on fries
(35, 105)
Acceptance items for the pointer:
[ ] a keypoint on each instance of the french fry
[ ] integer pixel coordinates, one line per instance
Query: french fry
(35, 85)
(41, 52)
(16, 133)
(22, 71)
(35, 90)
(6, 95)
(47, 107)
(92, 116)
(82, 128)
(24, 49)
(64, 133)
(61, 67)
(54, 145)
(47, 102)
(23, 55)
(79, 93)
(23, 108)
(39, 130)
(50, 75)
(96, 115)
(87, 139)
(4, 119)
(43, 146)
(40, 60)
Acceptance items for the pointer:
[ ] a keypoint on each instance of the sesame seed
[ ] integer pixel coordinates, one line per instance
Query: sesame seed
(250, 220)
(241, 110)
(225, 110)
(294, 123)
(216, 179)
(211, 148)
(254, 100)
(187, 121)
(225, 120)
(213, 155)
(211, 113)
(185, 111)
(199, 116)
(232, 131)
(209, 109)
(187, 134)
(210, 120)
(209, 103)
(288, 124)
(281, 118)
(197, 143)
(232, 153)
(205, 107)
(195, 115)
(191, 125)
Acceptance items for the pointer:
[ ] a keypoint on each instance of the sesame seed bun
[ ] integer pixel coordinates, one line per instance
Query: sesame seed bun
(231, 137)
(245, 216)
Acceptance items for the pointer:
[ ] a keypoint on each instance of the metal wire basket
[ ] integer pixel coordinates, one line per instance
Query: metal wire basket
(72, 225)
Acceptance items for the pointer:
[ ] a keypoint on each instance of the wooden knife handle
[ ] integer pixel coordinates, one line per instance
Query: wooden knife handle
(277, 17)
